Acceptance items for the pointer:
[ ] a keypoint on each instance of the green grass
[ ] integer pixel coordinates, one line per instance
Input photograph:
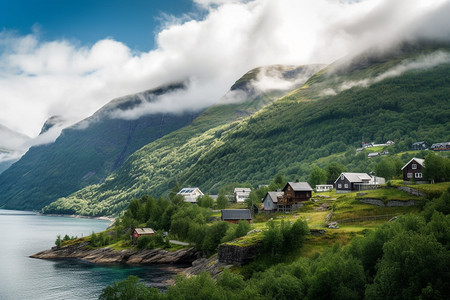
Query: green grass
(387, 194)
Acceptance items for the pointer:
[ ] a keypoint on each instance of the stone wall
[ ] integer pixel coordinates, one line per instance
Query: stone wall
(236, 255)
(412, 191)
(390, 203)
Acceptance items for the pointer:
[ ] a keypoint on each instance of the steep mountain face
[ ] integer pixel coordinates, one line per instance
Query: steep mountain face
(85, 153)
(11, 147)
(158, 166)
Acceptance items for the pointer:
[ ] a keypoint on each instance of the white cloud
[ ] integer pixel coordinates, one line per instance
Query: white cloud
(39, 79)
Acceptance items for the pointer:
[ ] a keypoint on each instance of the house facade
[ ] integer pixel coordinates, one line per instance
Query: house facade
(294, 194)
(348, 182)
(441, 146)
(190, 194)
(417, 146)
(235, 215)
(270, 201)
(413, 170)
(241, 194)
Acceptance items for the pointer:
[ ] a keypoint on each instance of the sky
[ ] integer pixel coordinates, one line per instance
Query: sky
(69, 58)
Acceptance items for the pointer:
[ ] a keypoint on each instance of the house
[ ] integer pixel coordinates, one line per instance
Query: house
(138, 232)
(270, 201)
(347, 182)
(190, 194)
(413, 170)
(241, 194)
(235, 215)
(419, 146)
(324, 187)
(373, 154)
(294, 193)
(441, 146)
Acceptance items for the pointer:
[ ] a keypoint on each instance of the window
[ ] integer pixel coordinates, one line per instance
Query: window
(414, 166)
(339, 186)
(418, 175)
(346, 185)
(409, 175)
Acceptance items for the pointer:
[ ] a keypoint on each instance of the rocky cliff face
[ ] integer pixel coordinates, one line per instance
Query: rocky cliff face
(129, 256)
(236, 255)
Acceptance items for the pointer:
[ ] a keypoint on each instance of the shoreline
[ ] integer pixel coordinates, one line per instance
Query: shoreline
(109, 219)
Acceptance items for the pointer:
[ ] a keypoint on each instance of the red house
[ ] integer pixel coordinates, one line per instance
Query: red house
(235, 215)
(138, 232)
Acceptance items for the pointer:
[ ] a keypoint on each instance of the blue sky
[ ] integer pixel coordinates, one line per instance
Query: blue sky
(133, 22)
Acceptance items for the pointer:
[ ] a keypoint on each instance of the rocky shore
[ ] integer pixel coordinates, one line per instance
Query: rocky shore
(108, 255)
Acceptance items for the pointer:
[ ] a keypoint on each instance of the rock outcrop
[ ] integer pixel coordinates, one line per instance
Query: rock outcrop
(108, 255)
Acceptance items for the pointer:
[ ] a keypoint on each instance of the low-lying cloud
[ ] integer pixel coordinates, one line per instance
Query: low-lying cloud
(423, 62)
(39, 79)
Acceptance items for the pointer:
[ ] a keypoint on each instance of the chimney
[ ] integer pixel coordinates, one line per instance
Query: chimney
(296, 180)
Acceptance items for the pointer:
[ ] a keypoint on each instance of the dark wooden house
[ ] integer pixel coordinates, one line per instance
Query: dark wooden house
(413, 170)
(294, 193)
(347, 182)
(417, 146)
(235, 215)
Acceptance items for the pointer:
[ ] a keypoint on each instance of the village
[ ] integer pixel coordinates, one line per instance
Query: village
(319, 204)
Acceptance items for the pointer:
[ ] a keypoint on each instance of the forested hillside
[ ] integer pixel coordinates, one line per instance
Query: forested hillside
(85, 153)
(401, 95)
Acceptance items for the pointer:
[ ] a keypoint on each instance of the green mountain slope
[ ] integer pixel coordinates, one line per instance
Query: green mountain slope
(158, 166)
(85, 153)
(398, 95)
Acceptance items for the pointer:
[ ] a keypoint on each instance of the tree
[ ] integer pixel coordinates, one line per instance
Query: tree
(385, 168)
(205, 201)
(222, 201)
(317, 176)
(333, 170)
(58, 241)
(436, 168)
(129, 288)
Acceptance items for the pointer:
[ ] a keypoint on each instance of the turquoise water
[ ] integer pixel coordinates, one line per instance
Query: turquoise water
(21, 277)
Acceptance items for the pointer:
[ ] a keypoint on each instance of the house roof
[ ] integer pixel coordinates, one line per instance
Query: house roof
(355, 177)
(420, 161)
(274, 196)
(144, 230)
(242, 190)
(299, 186)
(189, 190)
(236, 214)
(419, 143)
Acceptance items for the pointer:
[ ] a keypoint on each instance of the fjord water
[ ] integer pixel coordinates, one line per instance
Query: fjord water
(24, 233)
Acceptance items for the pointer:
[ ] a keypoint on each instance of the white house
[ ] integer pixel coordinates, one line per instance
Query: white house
(190, 194)
(241, 194)
(324, 187)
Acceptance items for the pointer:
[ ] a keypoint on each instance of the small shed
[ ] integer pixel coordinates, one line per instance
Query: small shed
(324, 187)
(235, 215)
(142, 231)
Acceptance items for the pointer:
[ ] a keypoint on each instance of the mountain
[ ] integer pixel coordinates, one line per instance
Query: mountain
(87, 152)
(180, 149)
(11, 146)
(399, 95)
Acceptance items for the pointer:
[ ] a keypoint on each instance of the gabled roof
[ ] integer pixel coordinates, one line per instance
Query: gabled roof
(355, 177)
(189, 190)
(144, 231)
(274, 196)
(420, 161)
(299, 186)
(419, 143)
(242, 190)
(236, 214)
